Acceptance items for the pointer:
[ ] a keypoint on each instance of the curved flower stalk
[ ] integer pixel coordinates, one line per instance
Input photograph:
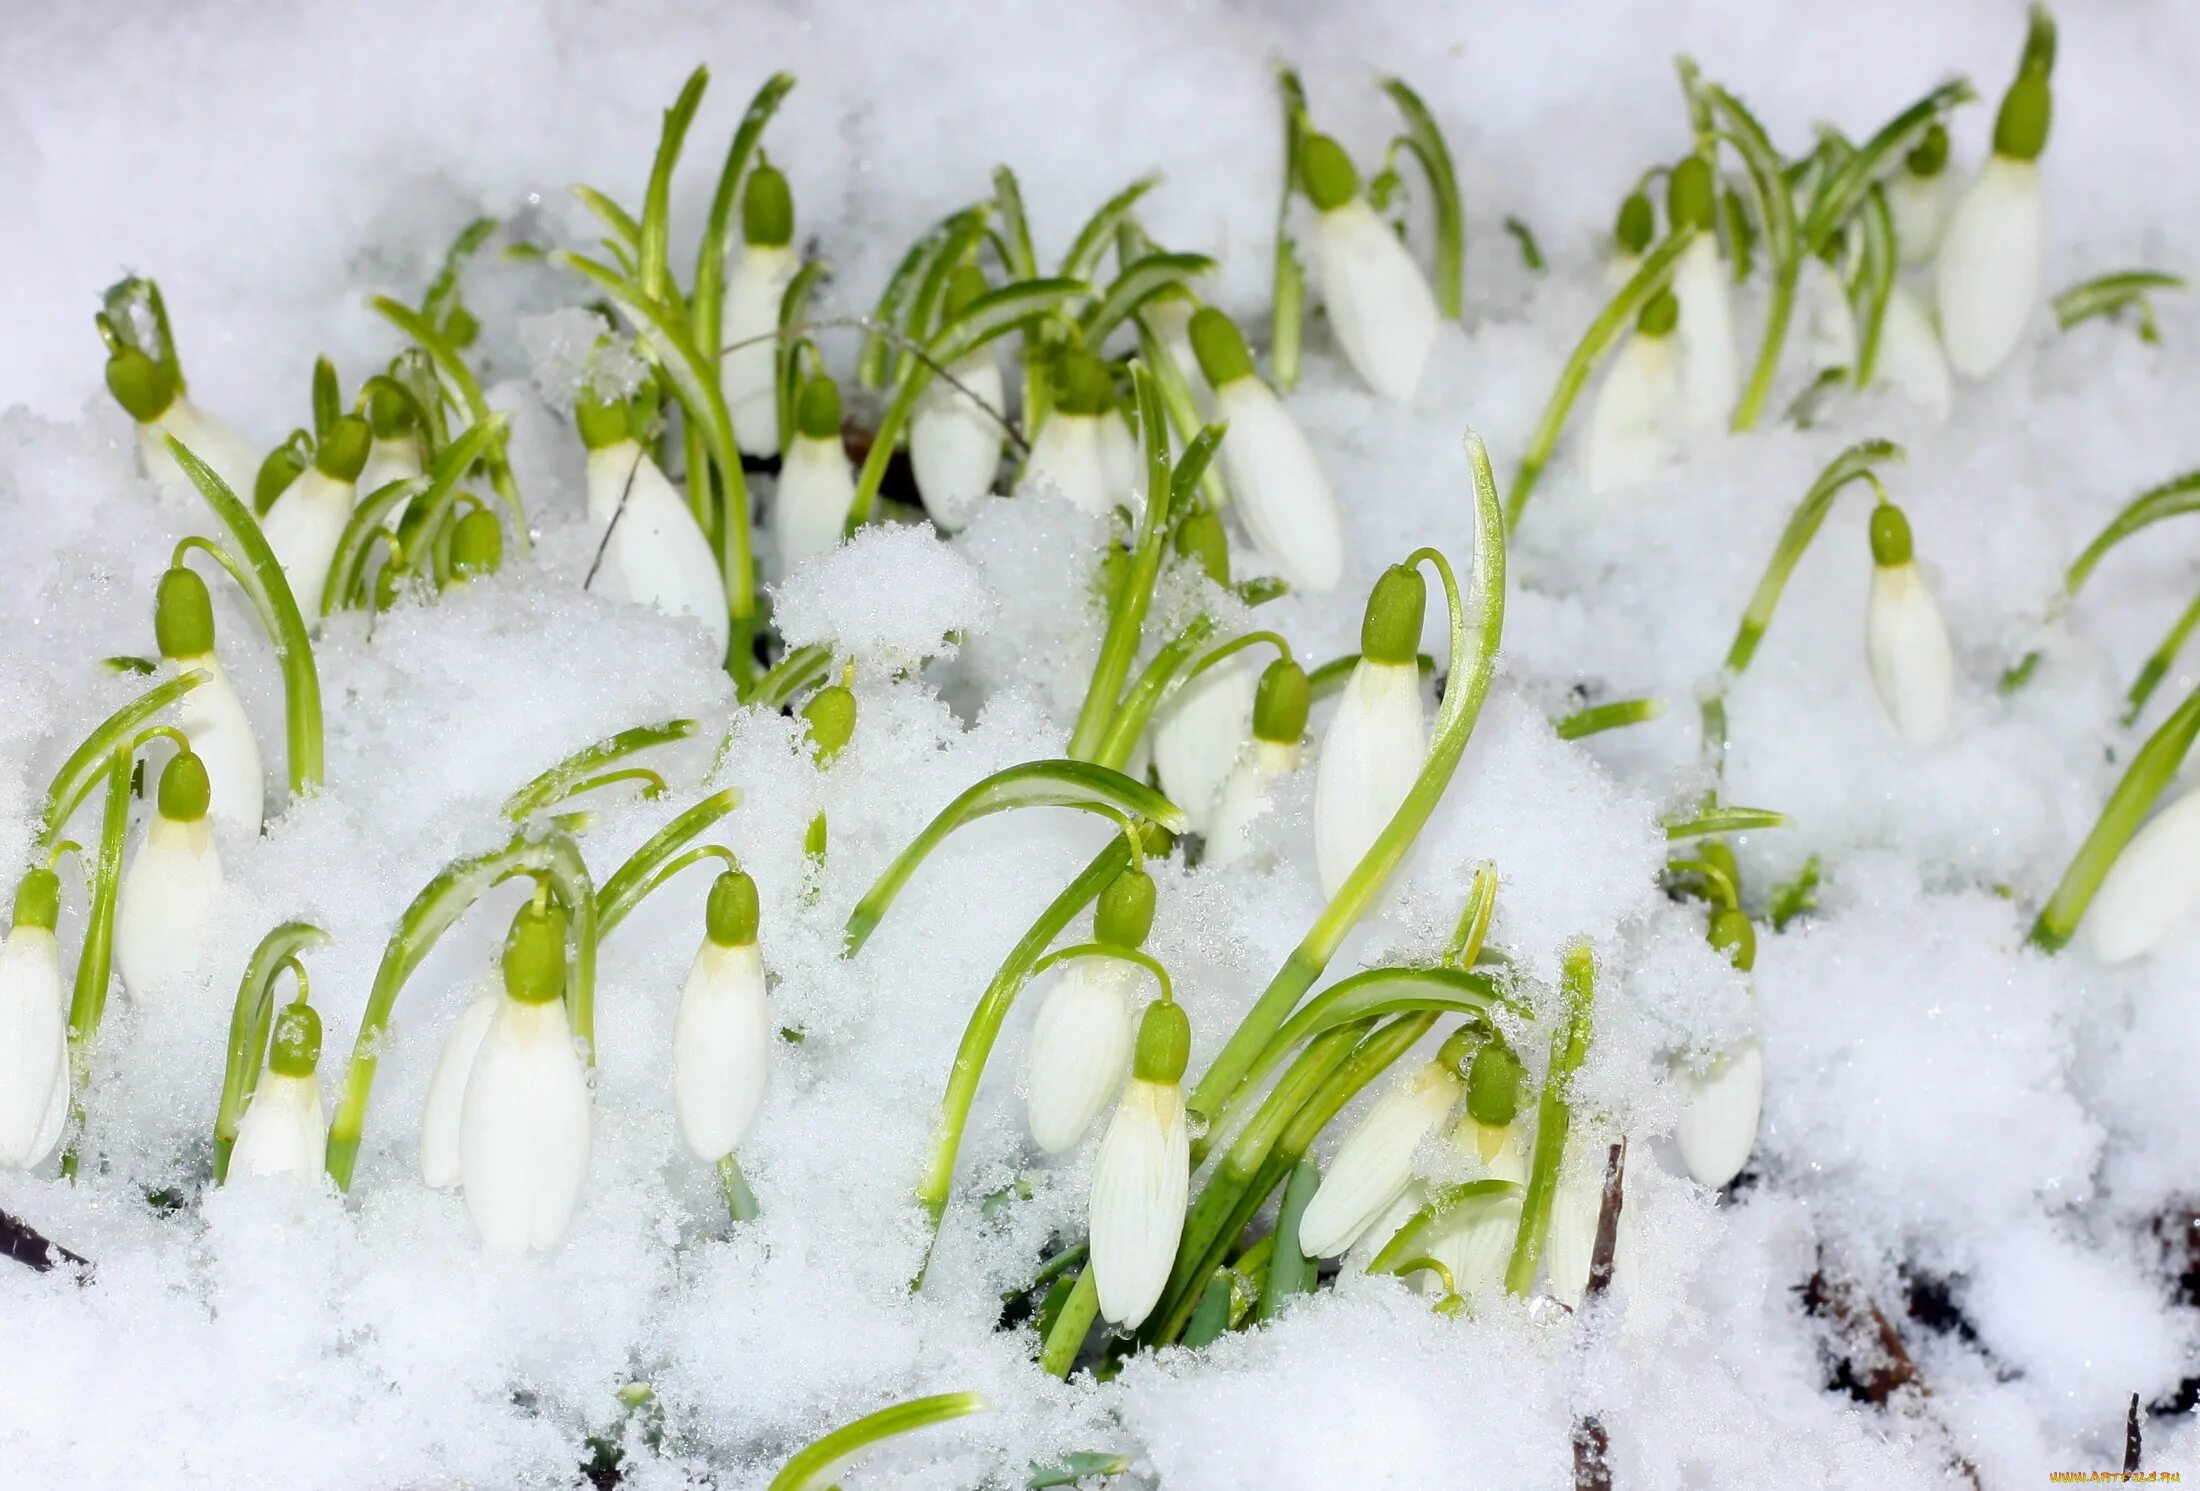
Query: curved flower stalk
(211, 716)
(954, 435)
(762, 267)
(1379, 305)
(649, 536)
(168, 892)
(1082, 451)
(34, 1027)
(1426, 143)
(2110, 295)
(1905, 640)
(1275, 478)
(1142, 1174)
(284, 1131)
(1372, 756)
(817, 485)
(251, 1025)
(1631, 427)
(1709, 367)
(818, 1466)
(1554, 1117)
(146, 378)
(1986, 276)
(584, 770)
(1277, 749)
(1918, 195)
(1081, 1042)
(722, 1033)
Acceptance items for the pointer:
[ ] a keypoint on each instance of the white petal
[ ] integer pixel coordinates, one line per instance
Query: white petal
(2151, 888)
(1920, 207)
(1374, 749)
(1571, 1243)
(439, 1119)
(1244, 799)
(212, 718)
(817, 486)
(283, 1131)
(1139, 1180)
(303, 528)
(235, 459)
(524, 1129)
(1910, 360)
(1375, 1161)
(1122, 463)
(657, 550)
(1631, 429)
(393, 459)
(1478, 1246)
(1379, 304)
(1710, 371)
(1080, 1050)
(34, 1061)
(1906, 644)
(1829, 323)
(748, 376)
(955, 446)
(721, 1049)
(1987, 276)
(1066, 459)
(1198, 735)
(1279, 489)
(165, 904)
(1718, 1128)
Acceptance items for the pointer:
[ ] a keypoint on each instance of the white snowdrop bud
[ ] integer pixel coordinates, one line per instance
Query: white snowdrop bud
(763, 265)
(656, 550)
(817, 485)
(525, 1120)
(34, 1027)
(1910, 360)
(1080, 450)
(1379, 302)
(722, 1031)
(1718, 1124)
(2152, 887)
(1196, 739)
(1375, 1162)
(1378, 739)
(954, 441)
(211, 716)
(1918, 195)
(1710, 367)
(1276, 481)
(307, 520)
(1632, 230)
(1276, 750)
(284, 1131)
(161, 409)
(1631, 429)
(167, 895)
(1142, 1172)
(1829, 324)
(1905, 641)
(1987, 275)
(1081, 1042)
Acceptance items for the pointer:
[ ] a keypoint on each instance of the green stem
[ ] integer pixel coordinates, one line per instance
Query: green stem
(2158, 662)
(96, 959)
(653, 864)
(455, 372)
(2173, 498)
(1168, 671)
(1071, 1326)
(1613, 716)
(1426, 142)
(249, 1021)
(564, 779)
(1289, 1270)
(1553, 1117)
(89, 761)
(741, 1204)
(817, 1466)
(1288, 298)
(1852, 465)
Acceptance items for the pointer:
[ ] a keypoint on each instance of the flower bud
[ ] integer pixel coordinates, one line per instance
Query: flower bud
(1220, 348)
(831, 718)
(730, 917)
(183, 615)
(1281, 703)
(1125, 914)
(767, 208)
(184, 788)
(534, 953)
(1327, 173)
(1390, 631)
(1164, 1043)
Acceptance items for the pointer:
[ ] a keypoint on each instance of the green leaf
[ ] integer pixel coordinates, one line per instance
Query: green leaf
(88, 762)
(1092, 239)
(2173, 498)
(1722, 820)
(1554, 1116)
(1875, 277)
(1008, 205)
(652, 271)
(2110, 295)
(558, 783)
(650, 866)
(1077, 1468)
(1426, 142)
(461, 377)
(707, 307)
(1411, 1240)
(1290, 1271)
(1376, 992)
(1853, 464)
(818, 1465)
(1531, 253)
(1137, 284)
(1844, 188)
(1613, 716)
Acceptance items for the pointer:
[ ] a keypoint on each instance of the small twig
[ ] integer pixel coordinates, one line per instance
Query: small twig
(1592, 1446)
(2131, 1437)
(892, 334)
(28, 1246)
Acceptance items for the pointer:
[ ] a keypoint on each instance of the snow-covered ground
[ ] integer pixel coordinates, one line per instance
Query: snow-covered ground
(1991, 1146)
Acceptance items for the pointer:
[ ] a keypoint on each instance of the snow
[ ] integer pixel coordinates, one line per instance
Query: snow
(1946, 1113)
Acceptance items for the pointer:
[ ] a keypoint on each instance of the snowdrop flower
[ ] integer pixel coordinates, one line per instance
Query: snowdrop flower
(656, 548)
(167, 894)
(1379, 738)
(1081, 1042)
(1197, 735)
(524, 1123)
(2151, 888)
(284, 1131)
(1379, 302)
(722, 1031)
(307, 520)
(1632, 231)
(394, 454)
(1829, 325)
(817, 485)
(1375, 1163)
(1477, 1247)
(757, 282)
(211, 716)
(1987, 275)
(1905, 641)
(1084, 450)
(154, 399)
(1710, 373)
(1140, 1177)
(954, 442)
(1276, 480)
(1910, 359)
(1917, 195)
(1631, 428)
(1276, 750)
(34, 1027)
(1718, 1125)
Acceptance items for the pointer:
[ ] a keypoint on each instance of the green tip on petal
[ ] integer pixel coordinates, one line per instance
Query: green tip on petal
(184, 790)
(388, 413)
(1125, 915)
(767, 208)
(343, 452)
(1731, 933)
(1281, 702)
(1082, 383)
(817, 412)
(1931, 154)
(1327, 173)
(477, 544)
(1391, 630)
(1220, 348)
(967, 285)
(1200, 536)
(183, 615)
(2020, 130)
(1690, 194)
(1494, 1083)
(831, 716)
(1638, 221)
(731, 916)
(601, 424)
(534, 953)
(1660, 316)
(297, 1047)
(38, 900)
(140, 385)
(1164, 1043)
(1890, 536)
